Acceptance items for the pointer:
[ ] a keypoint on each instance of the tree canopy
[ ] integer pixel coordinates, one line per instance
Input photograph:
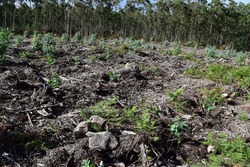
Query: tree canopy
(216, 23)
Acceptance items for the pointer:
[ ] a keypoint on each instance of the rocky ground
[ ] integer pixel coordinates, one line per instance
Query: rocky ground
(43, 102)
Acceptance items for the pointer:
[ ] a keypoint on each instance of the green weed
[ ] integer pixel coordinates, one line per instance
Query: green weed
(50, 59)
(26, 54)
(65, 38)
(55, 81)
(178, 127)
(112, 75)
(36, 43)
(38, 144)
(166, 44)
(78, 37)
(4, 43)
(212, 98)
(223, 74)
(191, 56)
(153, 70)
(175, 98)
(228, 152)
(18, 40)
(139, 117)
(243, 117)
(211, 52)
(87, 163)
(48, 46)
(26, 34)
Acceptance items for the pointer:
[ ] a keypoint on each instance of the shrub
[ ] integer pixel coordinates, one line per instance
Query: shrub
(210, 52)
(64, 38)
(36, 42)
(18, 40)
(26, 34)
(26, 54)
(228, 152)
(4, 43)
(178, 127)
(78, 37)
(48, 44)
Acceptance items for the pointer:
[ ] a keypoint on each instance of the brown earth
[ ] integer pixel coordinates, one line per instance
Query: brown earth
(38, 121)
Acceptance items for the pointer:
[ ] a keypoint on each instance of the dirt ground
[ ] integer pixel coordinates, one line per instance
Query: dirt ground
(38, 121)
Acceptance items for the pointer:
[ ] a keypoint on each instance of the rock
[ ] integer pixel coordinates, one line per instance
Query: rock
(186, 117)
(225, 95)
(115, 165)
(95, 119)
(102, 140)
(245, 107)
(127, 132)
(81, 129)
(210, 149)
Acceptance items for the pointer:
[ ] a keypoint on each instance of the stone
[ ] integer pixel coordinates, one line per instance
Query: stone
(102, 140)
(210, 149)
(95, 119)
(81, 129)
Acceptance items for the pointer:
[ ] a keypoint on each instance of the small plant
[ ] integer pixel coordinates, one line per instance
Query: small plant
(240, 58)
(92, 39)
(211, 52)
(139, 117)
(87, 163)
(154, 70)
(178, 127)
(76, 60)
(228, 152)
(4, 43)
(38, 144)
(36, 41)
(212, 97)
(174, 96)
(166, 44)
(223, 74)
(48, 44)
(243, 117)
(26, 34)
(65, 38)
(55, 81)
(50, 59)
(191, 56)
(112, 75)
(177, 49)
(78, 37)
(26, 54)
(18, 40)
(101, 44)
(175, 99)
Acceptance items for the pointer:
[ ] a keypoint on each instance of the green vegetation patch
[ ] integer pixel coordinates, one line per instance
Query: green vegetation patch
(211, 98)
(139, 117)
(228, 152)
(223, 74)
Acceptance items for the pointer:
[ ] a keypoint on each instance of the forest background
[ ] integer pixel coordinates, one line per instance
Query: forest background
(225, 24)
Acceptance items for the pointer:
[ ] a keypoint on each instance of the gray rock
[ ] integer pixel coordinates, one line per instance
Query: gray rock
(81, 129)
(102, 140)
(95, 119)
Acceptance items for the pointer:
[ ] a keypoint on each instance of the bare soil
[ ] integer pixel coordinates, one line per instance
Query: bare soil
(38, 121)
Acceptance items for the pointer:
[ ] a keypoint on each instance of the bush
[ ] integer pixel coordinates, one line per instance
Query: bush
(210, 52)
(78, 36)
(36, 41)
(64, 38)
(4, 43)
(26, 34)
(48, 44)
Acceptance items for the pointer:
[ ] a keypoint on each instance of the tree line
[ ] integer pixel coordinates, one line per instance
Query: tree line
(216, 23)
